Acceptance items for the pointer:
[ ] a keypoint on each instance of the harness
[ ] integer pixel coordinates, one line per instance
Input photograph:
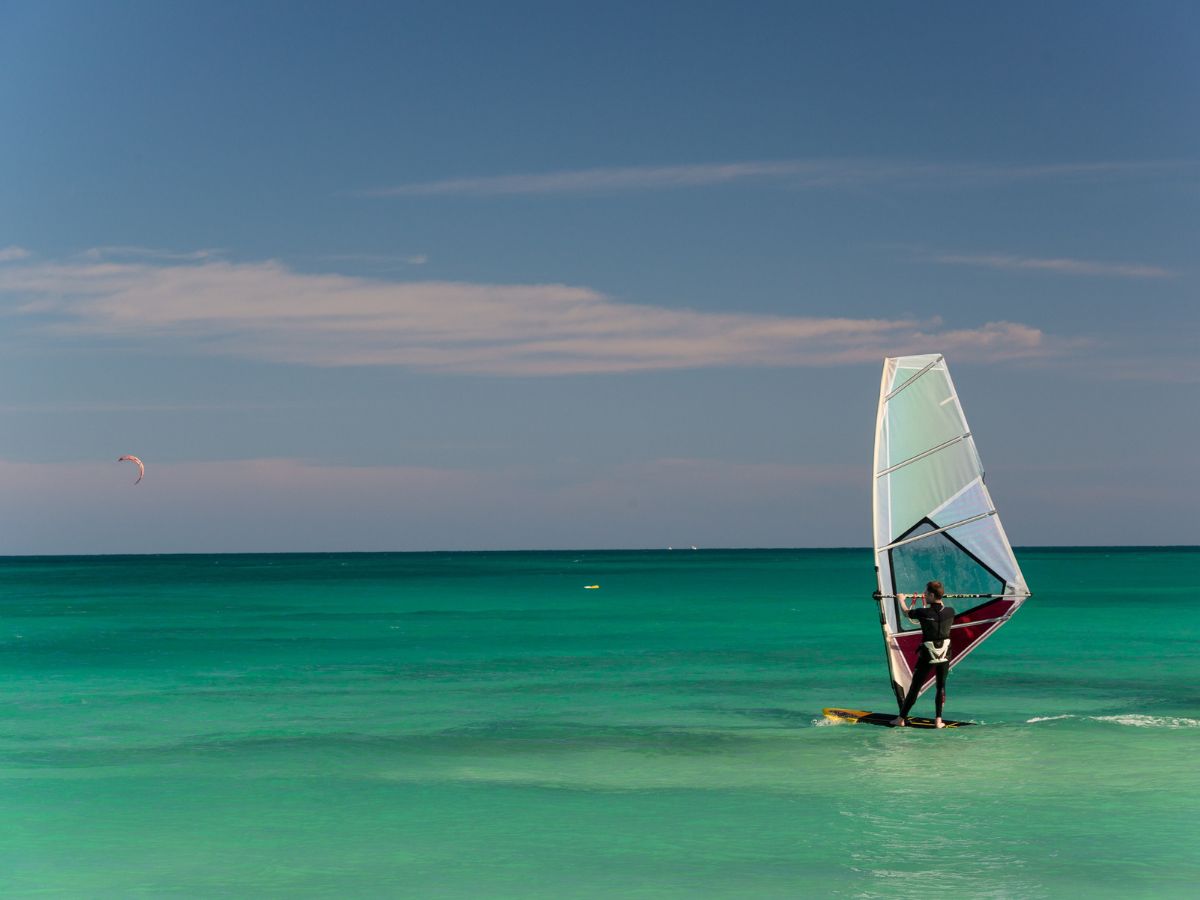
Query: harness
(939, 651)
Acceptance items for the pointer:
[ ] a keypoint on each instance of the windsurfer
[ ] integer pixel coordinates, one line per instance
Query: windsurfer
(936, 619)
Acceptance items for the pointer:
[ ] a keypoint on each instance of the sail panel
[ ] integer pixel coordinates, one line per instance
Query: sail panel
(985, 538)
(970, 630)
(919, 418)
(921, 487)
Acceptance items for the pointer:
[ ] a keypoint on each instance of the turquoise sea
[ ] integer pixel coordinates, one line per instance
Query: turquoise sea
(481, 725)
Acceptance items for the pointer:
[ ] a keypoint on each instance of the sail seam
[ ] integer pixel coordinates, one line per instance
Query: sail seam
(920, 456)
(926, 534)
(895, 391)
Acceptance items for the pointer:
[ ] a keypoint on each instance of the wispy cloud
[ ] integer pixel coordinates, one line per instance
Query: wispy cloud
(380, 259)
(266, 311)
(605, 179)
(13, 253)
(134, 252)
(791, 173)
(1059, 265)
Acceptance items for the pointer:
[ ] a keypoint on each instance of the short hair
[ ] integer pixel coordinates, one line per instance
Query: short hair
(935, 588)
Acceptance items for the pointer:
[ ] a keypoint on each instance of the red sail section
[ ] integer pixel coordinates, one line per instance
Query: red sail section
(970, 628)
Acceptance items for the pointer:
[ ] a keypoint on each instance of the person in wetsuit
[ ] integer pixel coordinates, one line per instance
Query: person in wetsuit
(935, 618)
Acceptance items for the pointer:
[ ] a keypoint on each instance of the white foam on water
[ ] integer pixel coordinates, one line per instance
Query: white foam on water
(1141, 721)
(1134, 720)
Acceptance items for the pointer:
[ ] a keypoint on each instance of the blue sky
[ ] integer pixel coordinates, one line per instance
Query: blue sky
(493, 276)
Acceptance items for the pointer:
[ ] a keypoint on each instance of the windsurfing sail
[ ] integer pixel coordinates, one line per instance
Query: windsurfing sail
(934, 518)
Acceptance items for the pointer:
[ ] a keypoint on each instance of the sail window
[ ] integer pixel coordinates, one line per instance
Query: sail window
(939, 557)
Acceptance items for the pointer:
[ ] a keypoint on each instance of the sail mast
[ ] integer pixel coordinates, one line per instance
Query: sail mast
(879, 509)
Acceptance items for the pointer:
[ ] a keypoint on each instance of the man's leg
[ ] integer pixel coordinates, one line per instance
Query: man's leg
(941, 670)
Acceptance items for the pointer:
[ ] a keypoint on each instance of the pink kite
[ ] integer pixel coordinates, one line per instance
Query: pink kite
(134, 459)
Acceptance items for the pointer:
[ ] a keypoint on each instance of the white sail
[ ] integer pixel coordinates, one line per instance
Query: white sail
(933, 516)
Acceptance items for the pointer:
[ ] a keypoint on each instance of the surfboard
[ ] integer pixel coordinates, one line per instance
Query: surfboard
(861, 716)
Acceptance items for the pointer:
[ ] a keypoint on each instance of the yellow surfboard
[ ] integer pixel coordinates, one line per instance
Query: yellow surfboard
(862, 717)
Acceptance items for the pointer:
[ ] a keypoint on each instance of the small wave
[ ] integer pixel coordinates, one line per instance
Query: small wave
(1142, 721)
(1134, 720)
(822, 722)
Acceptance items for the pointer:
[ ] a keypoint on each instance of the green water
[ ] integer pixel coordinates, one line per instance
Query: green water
(479, 725)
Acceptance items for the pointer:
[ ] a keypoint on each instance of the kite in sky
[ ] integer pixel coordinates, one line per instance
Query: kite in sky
(134, 459)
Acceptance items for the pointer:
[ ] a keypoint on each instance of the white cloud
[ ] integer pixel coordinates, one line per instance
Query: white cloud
(125, 252)
(1059, 265)
(794, 173)
(13, 253)
(265, 311)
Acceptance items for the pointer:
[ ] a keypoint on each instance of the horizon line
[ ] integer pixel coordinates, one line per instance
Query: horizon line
(865, 548)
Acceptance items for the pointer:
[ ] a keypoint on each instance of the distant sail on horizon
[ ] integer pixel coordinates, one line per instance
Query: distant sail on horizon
(934, 518)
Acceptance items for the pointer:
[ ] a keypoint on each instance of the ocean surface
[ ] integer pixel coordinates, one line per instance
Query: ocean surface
(481, 725)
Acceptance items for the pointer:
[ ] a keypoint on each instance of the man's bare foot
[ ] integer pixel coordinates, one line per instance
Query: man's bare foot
(899, 720)
(938, 723)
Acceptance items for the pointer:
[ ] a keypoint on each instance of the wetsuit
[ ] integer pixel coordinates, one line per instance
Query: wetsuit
(935, 626)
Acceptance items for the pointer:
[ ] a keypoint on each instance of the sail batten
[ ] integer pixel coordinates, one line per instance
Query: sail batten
(942, 530)
(897, 390)
(920, 456)
(933, 515)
